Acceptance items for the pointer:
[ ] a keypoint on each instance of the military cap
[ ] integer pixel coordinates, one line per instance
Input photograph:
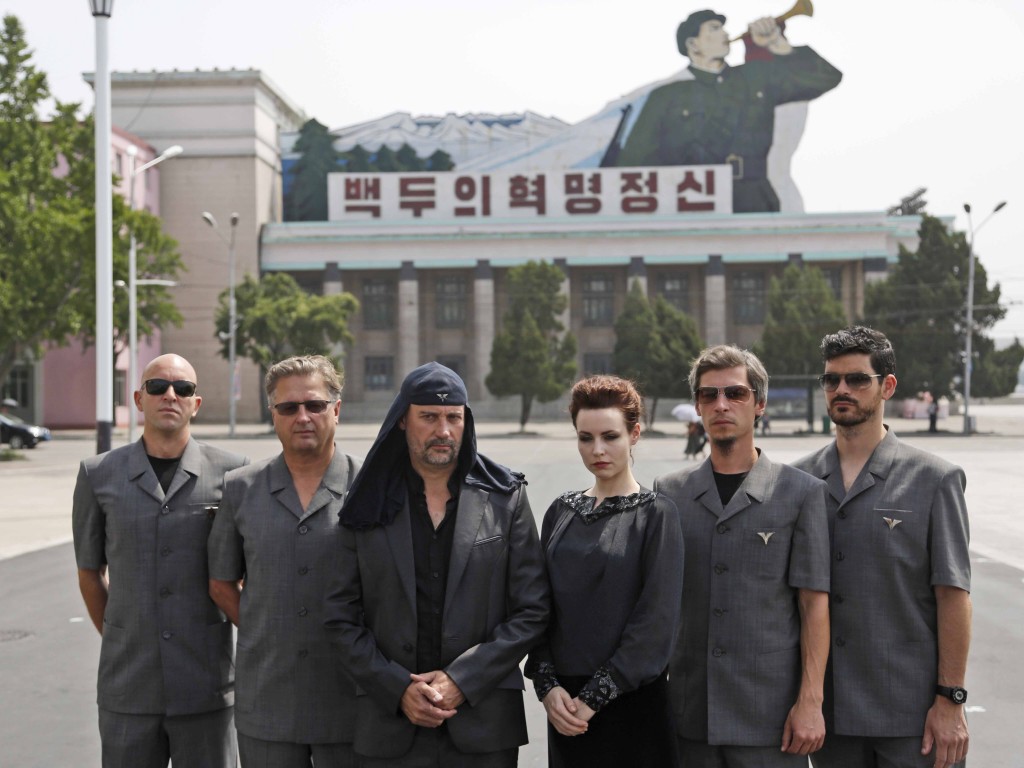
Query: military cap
(691, 27)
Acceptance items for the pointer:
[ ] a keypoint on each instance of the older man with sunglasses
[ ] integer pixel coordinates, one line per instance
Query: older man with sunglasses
(901, 575)
(165, 683)
(278, 531)
(747, 674)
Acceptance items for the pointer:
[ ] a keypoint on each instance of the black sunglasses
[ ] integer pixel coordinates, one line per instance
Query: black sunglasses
(182, 388)
(830, 381)
(737, 393)
(290, 408)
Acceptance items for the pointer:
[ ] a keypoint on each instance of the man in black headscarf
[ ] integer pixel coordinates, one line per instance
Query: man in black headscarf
(439, 588)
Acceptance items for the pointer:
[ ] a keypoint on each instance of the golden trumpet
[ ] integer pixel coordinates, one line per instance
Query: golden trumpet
(801, 8)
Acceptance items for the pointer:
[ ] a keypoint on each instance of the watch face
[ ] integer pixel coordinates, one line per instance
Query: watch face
(959, 695)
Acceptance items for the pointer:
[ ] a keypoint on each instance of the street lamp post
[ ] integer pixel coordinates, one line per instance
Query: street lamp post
(133, 281)
(969, 313)
(232, 312)
(101, 10)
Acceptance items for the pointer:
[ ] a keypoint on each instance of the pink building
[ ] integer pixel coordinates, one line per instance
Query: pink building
(49, 399)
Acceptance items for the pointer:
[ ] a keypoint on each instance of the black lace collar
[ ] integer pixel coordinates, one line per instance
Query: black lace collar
(583, 505)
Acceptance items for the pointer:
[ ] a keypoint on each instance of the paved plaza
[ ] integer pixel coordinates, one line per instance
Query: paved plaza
(49, 649)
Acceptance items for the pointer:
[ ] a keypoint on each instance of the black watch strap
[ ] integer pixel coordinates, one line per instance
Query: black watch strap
(954, 693)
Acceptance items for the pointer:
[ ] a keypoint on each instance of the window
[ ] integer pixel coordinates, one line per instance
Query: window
(451, 302)
(834, 278)
(675, 289)
(748, 298)
(598, 299)
(456, 362)
(380, 373)
(596, 362)
(120, 381)
(18, 385)
(378, 304)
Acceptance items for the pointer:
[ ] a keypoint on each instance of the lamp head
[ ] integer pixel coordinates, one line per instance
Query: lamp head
(101, 7)
(967, 207)
(172, 151)
(999, 207)
(208, 218)
(234, 219)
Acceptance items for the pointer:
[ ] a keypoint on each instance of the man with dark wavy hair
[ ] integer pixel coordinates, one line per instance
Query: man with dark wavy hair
(901, 575)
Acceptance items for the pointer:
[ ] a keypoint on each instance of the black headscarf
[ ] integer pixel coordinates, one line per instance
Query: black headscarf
(379, 492)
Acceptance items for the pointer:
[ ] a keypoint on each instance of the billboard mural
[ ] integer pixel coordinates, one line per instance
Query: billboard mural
(722, 114)
(749, 117)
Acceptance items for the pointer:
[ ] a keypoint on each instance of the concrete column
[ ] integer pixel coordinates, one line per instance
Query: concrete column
(637, 273)
(566, 317)
(332, 279)
(714, 301)
(408, 356)
(483, 329)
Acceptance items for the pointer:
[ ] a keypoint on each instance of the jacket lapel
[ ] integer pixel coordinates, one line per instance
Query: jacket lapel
(190, 466)
(283, 489)
(473, 502)
(140, 472)
(878, 465)
(399, 537)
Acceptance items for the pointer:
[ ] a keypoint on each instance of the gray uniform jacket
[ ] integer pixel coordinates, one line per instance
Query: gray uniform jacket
(737, 666)
(289, 685)
(495, 609)
(166, 646)
(900, 531)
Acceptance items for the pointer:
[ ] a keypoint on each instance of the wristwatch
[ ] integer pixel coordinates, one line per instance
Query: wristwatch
(955, 693)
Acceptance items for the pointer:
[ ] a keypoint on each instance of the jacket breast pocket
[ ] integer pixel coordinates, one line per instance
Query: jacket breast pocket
(896, 532)
(204, 509)
(766, 551)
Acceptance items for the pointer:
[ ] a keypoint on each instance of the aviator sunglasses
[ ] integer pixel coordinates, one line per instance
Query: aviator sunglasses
(737, 393)
(290, 408)
(830, 381)
(182, 388)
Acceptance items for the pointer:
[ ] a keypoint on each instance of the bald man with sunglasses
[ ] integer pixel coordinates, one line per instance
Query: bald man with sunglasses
(901, 575)
(747, 674)
(144, 511)
(278, 531)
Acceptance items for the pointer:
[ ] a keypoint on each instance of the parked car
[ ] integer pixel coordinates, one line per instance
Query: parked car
(18, 434)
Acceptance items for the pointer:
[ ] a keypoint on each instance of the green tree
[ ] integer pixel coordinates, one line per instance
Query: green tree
(996, 373)
(678, 343)
(635, 338)
(277, 318)
(530, 357)
(920, 307)
(655, 346)
(801, 309)
(307, 198)
(440, 161)
(356, 160)
(47, 222)
(408, 160)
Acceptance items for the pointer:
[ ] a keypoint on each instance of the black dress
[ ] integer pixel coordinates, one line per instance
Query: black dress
(616, 579)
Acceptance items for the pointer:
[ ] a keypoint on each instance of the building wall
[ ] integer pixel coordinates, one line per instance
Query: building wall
(228, 123)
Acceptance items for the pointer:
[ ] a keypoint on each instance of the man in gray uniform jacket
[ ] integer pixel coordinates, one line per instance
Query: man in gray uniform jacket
(901, 575)
(165, 684)
(278, 529)
(746, 678)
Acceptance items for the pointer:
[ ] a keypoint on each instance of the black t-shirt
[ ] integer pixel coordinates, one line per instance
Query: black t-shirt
(728, 485)
(164, 469)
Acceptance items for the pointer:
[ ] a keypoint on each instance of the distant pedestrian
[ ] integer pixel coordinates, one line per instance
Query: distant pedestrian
(696, 439)
(933, 413)
(614, 556)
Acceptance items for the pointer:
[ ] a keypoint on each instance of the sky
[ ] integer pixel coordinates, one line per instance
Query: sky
(931, 92)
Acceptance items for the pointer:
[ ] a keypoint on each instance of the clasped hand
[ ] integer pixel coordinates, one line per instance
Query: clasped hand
(431, 698)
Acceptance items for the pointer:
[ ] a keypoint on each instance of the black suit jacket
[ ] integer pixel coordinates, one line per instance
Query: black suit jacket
(496, 609)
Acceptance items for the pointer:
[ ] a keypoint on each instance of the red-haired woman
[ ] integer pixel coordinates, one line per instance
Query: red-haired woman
(614, 554)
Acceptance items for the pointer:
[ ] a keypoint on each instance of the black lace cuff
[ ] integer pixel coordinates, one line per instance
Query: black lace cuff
(544, 679)
(601, 689)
